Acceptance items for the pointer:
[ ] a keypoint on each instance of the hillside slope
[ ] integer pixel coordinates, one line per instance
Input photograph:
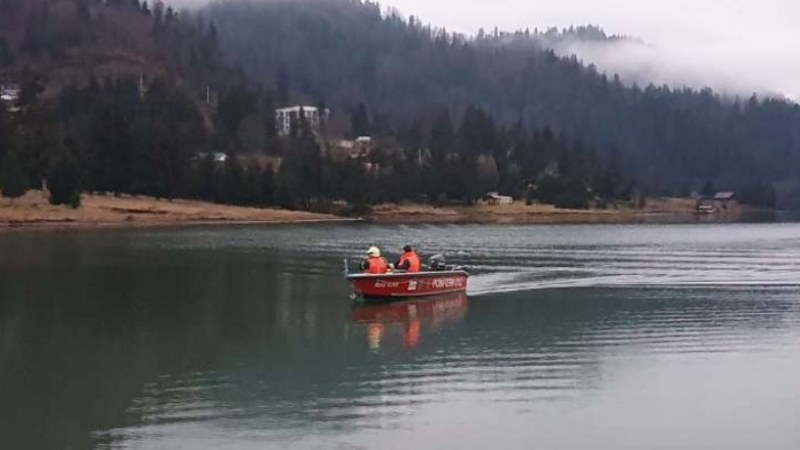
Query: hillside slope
(347, 52)
(65, 41)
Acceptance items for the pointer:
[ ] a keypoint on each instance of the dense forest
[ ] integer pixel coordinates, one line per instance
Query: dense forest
(145, 109)
(349, 52)
(122, 136)
(123, 96)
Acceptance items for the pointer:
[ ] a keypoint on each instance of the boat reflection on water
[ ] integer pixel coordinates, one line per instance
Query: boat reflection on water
(410, 316)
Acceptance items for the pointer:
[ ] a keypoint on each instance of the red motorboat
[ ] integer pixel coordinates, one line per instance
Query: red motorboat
(405, 285)
(438, 280)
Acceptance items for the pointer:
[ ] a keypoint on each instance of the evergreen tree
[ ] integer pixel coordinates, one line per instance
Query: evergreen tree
(6, 54)
(708, 189)
(359, 121)
(283, 87)
(64, 182)
(301, 173)
(12, 177)
(5, 132)
(34, 31)
(441, 143)
(488, 175)
(232, 182)
(477, 132)
(267, 186)
(251, 185)
(234, 105)
(203, 178)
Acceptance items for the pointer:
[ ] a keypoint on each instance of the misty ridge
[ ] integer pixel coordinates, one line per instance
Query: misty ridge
(686, 63)
(638, 62)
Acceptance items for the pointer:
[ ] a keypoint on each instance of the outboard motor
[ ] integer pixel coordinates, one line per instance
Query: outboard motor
(437, 262)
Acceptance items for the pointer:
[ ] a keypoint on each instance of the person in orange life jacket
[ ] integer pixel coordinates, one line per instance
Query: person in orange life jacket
(409, 261)
(375, 264)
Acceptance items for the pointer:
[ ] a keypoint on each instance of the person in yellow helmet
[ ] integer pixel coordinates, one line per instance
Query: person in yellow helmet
(375, 264)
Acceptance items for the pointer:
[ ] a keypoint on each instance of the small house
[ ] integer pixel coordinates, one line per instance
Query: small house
(494, 198)
(9, 94)
(705, 206)
(343, 149)
(217, 157)
(724, 200)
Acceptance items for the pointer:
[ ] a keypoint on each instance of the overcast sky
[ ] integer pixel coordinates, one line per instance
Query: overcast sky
(734, 45)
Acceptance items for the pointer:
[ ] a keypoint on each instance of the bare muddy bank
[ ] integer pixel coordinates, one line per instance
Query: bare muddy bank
(106, 211)
(97, 211)
(670, 210)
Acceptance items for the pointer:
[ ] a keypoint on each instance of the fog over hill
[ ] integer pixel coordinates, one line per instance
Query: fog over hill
(734, 46)
(737, 46)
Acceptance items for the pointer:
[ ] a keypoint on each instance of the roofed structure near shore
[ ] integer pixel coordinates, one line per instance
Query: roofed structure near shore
(9, 94)
(724, 200)
(494, 198)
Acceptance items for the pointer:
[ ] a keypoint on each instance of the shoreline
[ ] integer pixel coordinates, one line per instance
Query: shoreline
(56, 225)
(33, 212)
(658, 211)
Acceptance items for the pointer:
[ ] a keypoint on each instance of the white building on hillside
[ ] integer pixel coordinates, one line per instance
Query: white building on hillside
(285, 118)
(9, 94)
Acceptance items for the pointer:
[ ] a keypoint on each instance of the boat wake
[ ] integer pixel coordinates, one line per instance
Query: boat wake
(641, 267)
(500, 283)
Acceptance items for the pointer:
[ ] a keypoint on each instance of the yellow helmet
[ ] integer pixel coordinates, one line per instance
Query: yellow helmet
(374, 251)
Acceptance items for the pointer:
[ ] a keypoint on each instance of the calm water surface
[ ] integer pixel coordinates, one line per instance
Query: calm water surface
(573, 337)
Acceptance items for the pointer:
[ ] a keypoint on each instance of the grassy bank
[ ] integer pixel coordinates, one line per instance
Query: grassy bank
(34, 211)
(98, 211)
(669, 210)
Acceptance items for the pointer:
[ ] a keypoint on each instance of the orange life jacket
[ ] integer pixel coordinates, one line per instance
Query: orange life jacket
(377, 265)
(413, 262)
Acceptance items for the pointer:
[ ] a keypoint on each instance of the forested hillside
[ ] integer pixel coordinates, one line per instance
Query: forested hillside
(125, 97)
(110, 96)
(60, 42)
(128, 96)
(347, 52)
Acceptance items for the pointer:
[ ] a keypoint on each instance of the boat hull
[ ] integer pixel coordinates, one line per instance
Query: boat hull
(408, 285)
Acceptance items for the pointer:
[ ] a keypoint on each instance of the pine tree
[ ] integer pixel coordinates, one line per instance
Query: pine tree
(233, 178)
(12, 177)
(251, 185)
(32, 36)
(5, 132)
(64, 182)
(6, 54)
(359, 121)
(267, 186)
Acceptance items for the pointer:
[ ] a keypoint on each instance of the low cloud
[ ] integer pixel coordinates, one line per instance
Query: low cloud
(735, 46)
(729, 70)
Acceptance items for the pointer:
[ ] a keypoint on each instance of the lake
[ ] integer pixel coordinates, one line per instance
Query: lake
(571, 337)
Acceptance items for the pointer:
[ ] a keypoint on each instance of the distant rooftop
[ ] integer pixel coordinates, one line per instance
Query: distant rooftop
(9, 92)
(297, 109)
